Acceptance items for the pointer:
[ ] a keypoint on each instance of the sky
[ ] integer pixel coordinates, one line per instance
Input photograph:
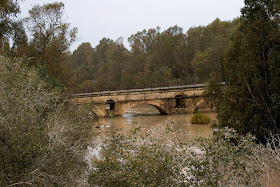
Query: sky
(96, 19)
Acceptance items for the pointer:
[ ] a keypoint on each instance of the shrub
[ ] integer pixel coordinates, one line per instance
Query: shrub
(199, 118)
(226, 160)
(42, 141)
(160, 157)
(139, 159)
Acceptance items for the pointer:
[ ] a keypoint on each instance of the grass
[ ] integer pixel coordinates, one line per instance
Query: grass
(199, 118)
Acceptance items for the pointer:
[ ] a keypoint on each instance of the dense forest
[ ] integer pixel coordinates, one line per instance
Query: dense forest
(155, 58)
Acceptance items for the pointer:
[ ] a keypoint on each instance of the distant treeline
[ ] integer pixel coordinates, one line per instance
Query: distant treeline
(155, 58)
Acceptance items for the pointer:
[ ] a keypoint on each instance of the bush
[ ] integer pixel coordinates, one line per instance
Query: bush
(139, 159)
(42, 141)
(226, 160)
(160, 157)
(199, 118)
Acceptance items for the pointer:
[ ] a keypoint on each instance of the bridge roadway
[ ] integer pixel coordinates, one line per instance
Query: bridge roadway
(168, 100)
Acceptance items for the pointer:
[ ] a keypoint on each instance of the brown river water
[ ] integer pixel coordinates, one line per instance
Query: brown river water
(148, 116)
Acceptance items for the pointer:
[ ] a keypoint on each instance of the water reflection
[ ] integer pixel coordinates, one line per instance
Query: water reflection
(148, 117)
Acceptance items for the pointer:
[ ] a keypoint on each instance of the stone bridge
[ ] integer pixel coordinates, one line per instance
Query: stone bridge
(168, 100)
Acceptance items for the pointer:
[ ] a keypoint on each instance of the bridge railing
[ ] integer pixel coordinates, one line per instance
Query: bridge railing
(139, 90)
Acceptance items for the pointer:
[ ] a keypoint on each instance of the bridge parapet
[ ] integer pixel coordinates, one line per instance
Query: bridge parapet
(139, 90)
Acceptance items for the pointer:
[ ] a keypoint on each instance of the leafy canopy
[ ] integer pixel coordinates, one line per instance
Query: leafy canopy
(250, 101)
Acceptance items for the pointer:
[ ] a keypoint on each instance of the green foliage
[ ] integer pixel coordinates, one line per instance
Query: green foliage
(250, 100)
(161, 157)
(49, 39)
(49, 42)
(10, 26)
(83, 62)
(42, 140)
(156, 58)
(200, 118)
(210, 48)
(86, 86)
(162, 76)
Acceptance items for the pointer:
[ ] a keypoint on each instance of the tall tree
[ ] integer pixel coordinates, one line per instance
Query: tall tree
(207, 47)
(83, 61)
(10, 26)
(50, 40)
(250, 102)
(142, 42)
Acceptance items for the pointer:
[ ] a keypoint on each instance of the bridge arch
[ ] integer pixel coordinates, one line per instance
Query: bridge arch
(198, 103)
(158, 105)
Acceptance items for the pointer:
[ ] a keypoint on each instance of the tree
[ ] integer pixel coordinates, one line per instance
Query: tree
(250, 101)
(142, 42)
(42, 140)
(50, 40)
(153, 53)
(83, 62)
(111, 60)
(10, 26)
(207, 47)
(162, 76)
(169, 50)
